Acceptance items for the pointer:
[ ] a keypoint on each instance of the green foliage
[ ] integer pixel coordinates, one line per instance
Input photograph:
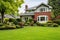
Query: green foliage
(50, 21)
(19, 20)
(57, 21)
(6, 20)
(1, 24)
(22, 24)
(38, 23)
(32, 23)
(17, 26)
(26, 24)
(11, 19)
(30, 20)
(56, 6)
(0, 20)
(41, 24)
(9, 7)
(15, 21)
(49, 24)
(9, 25)
(55, 25)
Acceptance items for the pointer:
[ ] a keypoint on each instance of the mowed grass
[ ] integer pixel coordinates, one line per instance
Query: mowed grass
(31, 33)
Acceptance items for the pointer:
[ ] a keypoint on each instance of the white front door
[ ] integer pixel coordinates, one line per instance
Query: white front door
(42, 19)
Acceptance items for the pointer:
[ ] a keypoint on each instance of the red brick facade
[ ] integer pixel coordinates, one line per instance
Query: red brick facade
(58, 17)
(42, 13)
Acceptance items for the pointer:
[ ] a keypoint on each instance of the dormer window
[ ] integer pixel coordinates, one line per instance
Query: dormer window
(42, 9)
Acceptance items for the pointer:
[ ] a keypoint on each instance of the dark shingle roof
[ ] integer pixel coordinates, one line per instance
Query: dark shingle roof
(24, 14)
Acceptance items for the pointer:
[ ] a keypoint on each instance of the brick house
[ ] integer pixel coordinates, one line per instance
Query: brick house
(40, 13)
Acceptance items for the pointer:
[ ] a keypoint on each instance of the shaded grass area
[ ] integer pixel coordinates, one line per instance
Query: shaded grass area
(31, 33)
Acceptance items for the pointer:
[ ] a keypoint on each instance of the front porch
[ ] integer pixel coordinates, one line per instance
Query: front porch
(26, 18)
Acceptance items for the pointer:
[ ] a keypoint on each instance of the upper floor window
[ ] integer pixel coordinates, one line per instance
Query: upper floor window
(42, 9)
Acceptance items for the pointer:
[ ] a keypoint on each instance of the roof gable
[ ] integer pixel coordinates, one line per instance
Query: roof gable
(42, 4)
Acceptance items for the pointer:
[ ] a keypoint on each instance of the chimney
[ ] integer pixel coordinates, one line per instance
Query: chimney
(26, 7)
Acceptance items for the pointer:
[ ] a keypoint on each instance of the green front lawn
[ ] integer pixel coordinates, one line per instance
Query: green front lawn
(31, 33)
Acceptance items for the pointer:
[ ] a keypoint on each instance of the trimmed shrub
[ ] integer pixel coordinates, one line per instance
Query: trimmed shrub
(26, 24)
(52, 25)
(50, 21)
(17, 26)
(55, 25)
(0, 20)
(30, 20)
(14, 21)
(11, 20)
(2, 27)
(10, 25)
(42, 24)
(57, 21)
(38, 24)
(6, 20)
(35, 24)
(21, 24)
(19, 20)
(49, 24)
(32, 23)
(1, 24)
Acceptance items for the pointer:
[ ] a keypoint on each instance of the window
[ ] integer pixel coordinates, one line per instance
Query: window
(42, 19)
(38, 18)
(42, 9)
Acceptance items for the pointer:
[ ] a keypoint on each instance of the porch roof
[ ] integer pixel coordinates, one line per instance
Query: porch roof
(27, 14)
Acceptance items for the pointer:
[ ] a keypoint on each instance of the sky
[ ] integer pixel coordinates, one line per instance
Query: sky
(31, 3)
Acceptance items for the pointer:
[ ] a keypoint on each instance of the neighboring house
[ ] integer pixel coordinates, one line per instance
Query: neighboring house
(40, 13)
(10, 16)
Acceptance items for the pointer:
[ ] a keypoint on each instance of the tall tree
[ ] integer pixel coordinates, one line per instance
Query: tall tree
(56, 6)
(9, 6)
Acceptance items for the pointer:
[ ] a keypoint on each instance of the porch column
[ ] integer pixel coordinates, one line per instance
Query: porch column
(45, 18)
(39, 19)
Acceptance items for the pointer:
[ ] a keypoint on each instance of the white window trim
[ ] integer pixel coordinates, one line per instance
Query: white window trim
(40, 19)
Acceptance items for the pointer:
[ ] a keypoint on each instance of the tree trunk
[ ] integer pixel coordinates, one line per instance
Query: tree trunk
(2, 17)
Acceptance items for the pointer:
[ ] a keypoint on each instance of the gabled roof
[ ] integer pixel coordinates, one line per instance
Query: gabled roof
(33, 8)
